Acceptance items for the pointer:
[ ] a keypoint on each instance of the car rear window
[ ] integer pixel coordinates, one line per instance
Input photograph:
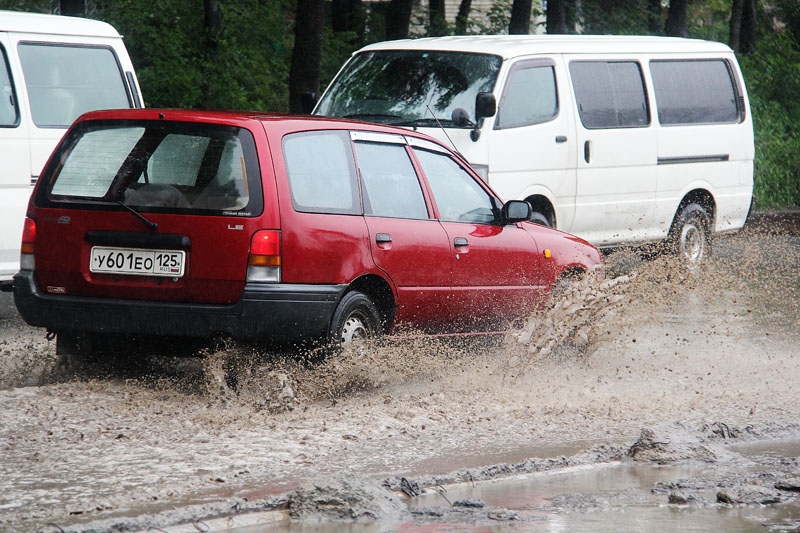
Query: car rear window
(158, 166)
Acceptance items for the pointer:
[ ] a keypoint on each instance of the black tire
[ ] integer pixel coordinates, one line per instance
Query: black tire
(540, 219)
(76, 351)
(355, 319)
(690, 237)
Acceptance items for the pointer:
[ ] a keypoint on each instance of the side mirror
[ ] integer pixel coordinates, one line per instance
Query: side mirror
(516, 211)
(485, 106)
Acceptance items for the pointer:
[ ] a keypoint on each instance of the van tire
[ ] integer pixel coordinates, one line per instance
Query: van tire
(540, 219)
(356, 318)
(75, 351)
(690, 237)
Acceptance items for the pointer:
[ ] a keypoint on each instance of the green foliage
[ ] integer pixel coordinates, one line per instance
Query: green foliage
(773, 77)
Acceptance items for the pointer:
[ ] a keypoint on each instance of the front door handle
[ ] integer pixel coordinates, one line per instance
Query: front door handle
(460, 242)
(383, 238)
(561, 139)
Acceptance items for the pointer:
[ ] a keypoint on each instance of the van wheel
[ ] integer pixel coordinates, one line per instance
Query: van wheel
(75, 351)
(690, 237)
(356, 322)
(540, 219)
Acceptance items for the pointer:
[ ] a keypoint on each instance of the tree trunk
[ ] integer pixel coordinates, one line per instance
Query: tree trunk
(654, 24)
(675, 26)
(520, 23)
(73, 8)
(735, 26)
(747, 33)
(438, 25)
(304, 71)
(398, 19)
(212, 27)
(462, 19)
(556, 17)
(348, 16)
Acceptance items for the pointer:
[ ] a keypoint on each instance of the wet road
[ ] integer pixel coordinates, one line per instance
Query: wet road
(684, 355)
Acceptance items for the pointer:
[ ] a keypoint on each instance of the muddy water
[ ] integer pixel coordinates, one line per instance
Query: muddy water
(704, 361)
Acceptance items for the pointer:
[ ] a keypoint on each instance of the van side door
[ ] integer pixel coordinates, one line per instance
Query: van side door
(532, 144)
(15, 171)
(617, 151)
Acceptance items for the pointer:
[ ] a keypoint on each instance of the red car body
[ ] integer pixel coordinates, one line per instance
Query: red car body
(311, 211)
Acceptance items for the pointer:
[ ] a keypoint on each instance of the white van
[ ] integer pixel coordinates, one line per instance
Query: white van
(52, 69)
(620, 140)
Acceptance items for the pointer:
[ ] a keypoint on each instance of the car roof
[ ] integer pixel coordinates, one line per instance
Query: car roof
(509, 46)
(278, 122)
(18, 21)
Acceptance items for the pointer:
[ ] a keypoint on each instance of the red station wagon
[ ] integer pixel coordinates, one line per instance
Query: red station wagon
(152, 222)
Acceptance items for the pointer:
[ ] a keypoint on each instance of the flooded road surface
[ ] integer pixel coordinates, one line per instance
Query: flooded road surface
(637, 417)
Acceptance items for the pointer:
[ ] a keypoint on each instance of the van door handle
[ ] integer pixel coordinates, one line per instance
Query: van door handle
(383, 238)
(586, 149)
(561, 139)
(460, 242)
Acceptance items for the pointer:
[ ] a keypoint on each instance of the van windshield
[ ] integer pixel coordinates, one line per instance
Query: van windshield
(157, 166)
(409, 87)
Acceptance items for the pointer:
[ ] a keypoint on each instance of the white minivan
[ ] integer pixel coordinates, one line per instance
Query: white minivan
(620, 140)
(52, 69)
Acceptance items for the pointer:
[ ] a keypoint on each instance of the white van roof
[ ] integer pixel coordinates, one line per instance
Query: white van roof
(509, 46)
(18, 21)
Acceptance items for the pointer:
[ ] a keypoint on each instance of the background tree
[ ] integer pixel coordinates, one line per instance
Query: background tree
(304, 73)
(556, 17)
(436, 13)
(75, 8)
(520, 23)
(462, 18)
(675, 26)
(398, 19)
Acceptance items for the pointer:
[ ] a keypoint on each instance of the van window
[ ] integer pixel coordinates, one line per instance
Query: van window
(189, 167)
(529, 97)
(66, 81)
(322, 172)
(694, 92)
(609, 94)
(9, 115)
(391, 187)
(457, 194)
(407, 87)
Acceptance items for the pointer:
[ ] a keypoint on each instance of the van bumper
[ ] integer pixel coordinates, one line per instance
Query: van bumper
(274, 312)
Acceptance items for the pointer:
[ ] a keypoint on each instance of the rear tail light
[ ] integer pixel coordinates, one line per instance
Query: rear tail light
(26, 261)
(264, 261)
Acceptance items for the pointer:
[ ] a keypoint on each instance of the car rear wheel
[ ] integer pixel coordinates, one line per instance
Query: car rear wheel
(690, 237)
(356, 322)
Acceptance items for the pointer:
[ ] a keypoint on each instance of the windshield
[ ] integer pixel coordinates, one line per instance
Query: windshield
(407, 87)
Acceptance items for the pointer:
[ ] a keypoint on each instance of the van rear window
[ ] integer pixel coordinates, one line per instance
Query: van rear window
(66, 81)
(694, 92)
(158, 166)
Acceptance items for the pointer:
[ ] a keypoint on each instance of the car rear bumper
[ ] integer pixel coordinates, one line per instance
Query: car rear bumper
(280, 312)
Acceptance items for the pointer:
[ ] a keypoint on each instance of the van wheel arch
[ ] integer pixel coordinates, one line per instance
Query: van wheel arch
(543, 212)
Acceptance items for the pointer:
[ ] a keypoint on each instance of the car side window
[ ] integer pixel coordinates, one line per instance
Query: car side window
(9, 115)
(390, 185)
(610, 94)
(321, 172)
(459, 197)
(529, 97)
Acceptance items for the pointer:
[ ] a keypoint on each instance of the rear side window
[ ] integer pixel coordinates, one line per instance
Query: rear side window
(321, 172)
(66, 81)
(391, 187)
(609, 94)
(9, 115)
(158, 166)
(529, 97)
(695, 92)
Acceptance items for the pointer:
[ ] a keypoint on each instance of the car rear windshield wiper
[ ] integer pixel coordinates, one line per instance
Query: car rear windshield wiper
(152, 225)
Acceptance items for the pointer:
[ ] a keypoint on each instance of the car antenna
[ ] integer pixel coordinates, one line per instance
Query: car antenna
(444, 131)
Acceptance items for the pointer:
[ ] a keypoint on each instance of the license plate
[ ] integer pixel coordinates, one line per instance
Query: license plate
(137, 261)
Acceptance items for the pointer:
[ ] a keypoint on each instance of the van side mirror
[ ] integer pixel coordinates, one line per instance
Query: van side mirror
(516, 211)
(485, 106)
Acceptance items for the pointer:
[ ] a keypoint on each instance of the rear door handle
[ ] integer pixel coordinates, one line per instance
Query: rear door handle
(383, 238)
(561, 139)
(587, 148)
(460, 242)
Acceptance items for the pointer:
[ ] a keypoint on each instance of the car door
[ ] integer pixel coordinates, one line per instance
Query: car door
(497, 268)
(406, 242)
